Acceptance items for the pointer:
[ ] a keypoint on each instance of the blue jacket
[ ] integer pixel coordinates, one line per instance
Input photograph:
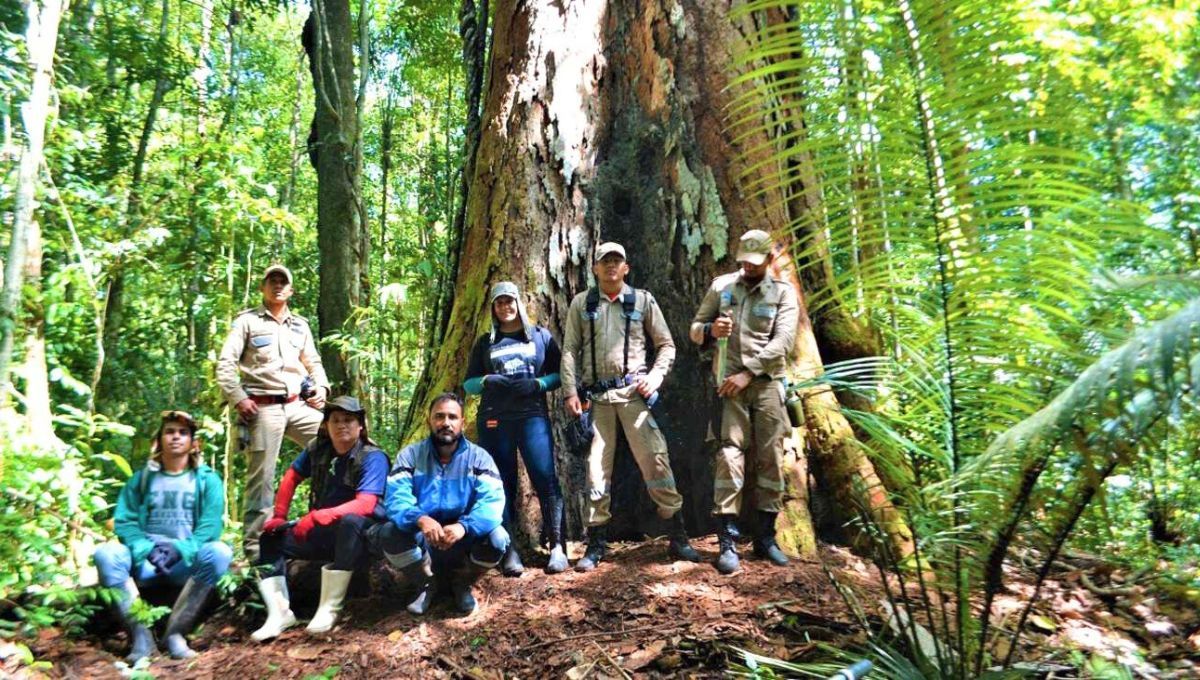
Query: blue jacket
(466, 490)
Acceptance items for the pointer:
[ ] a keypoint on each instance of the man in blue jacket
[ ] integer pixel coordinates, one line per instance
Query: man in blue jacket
(169, 522)
(445, 503)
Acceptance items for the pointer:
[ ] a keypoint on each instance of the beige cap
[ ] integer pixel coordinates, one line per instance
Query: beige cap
(754, 247)
(278, 268)
(609, 248)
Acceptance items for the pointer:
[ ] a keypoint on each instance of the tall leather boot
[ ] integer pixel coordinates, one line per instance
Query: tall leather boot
(764, 544)
(461, 583)
(420, 574)
(554, 534)
(187, 608)
(679, 546)
(275, 596)
(334, 583)
(140, 636)
(597, 548)
(727, 560)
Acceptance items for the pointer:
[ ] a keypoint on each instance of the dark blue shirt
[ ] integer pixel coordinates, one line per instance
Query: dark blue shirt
(343, 483)
(514, 356)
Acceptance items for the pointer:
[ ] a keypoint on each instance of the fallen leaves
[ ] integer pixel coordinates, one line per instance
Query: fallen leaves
(645, 656)
(306, 652)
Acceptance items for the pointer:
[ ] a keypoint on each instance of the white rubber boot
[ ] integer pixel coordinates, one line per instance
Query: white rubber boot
(333, 592)
(279, 608)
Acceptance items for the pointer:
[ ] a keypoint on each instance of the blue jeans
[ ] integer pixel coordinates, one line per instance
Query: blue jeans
(403, 548)
(115, 564)
(502, 438)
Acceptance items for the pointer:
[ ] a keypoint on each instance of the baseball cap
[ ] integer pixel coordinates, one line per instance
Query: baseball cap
(754, 247)
(608, 248)
(278, 268)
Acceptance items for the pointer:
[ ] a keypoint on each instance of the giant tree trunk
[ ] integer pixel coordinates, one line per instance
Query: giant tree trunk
(329, 38)
(604, 121)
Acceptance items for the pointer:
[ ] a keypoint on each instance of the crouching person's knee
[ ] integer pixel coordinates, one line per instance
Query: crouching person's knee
(487, 552)
(113, 562)
(400, 548)
(212, 561)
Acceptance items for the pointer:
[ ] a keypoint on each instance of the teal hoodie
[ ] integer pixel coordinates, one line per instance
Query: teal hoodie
(129, 522)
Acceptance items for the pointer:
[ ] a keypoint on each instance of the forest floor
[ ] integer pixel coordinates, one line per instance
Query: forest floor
(638, 615)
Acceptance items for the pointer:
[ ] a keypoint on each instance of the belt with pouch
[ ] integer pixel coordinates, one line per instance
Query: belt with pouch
(268, 399)
(602, 386)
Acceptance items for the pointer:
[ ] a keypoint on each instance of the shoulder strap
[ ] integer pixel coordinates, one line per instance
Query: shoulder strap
(593, 303)
(628, 304)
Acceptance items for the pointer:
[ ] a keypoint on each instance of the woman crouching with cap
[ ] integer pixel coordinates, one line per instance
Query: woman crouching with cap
(169, 523)
(347, 474)
(513, 366)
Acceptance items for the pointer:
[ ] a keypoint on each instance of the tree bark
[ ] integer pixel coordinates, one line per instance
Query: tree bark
(604, 121)
(329, 38)
(25, 248)
(473, 30)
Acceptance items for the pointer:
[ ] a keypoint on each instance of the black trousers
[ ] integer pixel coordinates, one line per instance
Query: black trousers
(344, 543)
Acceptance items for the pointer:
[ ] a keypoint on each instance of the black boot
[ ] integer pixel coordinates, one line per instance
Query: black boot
(187, 607)
(765, 545)
(420, 575)
(597, 548)
(140, 636)
(734, 532)
(679, 547)
(727, 560)
(553, 529)
(464, 578)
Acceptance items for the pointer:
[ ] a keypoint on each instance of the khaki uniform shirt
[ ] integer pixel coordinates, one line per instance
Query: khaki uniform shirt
(646, 326)
(273, 357)
(764, 319)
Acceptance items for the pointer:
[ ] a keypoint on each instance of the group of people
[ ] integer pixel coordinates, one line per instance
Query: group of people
(442, 511)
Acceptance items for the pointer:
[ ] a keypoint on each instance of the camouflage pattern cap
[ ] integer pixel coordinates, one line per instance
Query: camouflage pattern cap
(754, 247)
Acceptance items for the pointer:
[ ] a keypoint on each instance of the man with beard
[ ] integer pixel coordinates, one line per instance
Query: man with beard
(445, 503)
(758, 314)
(169, 522)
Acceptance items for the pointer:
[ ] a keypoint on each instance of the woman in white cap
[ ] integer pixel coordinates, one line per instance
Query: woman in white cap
(513, 366)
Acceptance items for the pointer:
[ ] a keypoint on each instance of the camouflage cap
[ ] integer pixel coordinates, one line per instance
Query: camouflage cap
(278, 268)
(344, 403)
(609, 248)
(754, 247)
(175, 415)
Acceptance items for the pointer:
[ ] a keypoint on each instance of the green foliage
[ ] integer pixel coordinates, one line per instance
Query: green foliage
(979, 212)
(54, 494)
(144, 268)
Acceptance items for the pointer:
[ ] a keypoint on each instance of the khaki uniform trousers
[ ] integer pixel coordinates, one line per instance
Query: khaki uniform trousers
(757, 413)
(649, 448)
(298, 422)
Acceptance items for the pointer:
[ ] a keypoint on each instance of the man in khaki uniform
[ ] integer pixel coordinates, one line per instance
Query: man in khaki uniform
(758, 314)
(268, 355)
(604, 359)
